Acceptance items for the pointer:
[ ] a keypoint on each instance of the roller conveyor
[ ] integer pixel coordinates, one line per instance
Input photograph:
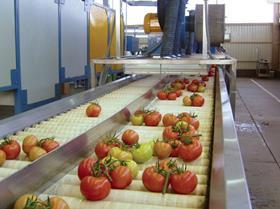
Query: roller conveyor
(71, 124)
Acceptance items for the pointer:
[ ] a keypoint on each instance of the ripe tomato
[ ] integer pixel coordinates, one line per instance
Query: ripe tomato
(11, 147)
(57, 203)
(93, 110)
(121, 177)
(85, 167)
(169, 119)
(162, 150)
(2, 157)
(192, 87)
(162, 95)
(175, 144)
(190, 150)
(169, 134)
(152, 180)
(183, 183)
(29, 142)
(101, 150)
(197, 100)
(194, 122)
(178, 93)
(178, 85)
(187, 101)
(205, 78)
(172, 96)
(186, 81)
(22, 201)
(168, 165)
(95, 188)
(137, 119)
(36, 152)
(130, 137)
(195, 81)
(152, 118)
(49, 144)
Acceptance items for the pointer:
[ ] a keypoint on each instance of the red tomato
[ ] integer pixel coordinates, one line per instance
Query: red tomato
(186, 81)
(175, 144)
(178, 85)
(162, 150)
(169, 119)
(49, 144)
(190, 150)
(152, 180)
(172, 96)
(169, 134)
(195, 81)
(152, 119)
(121, 177)
(183, 183)
(197, 100)
(130, 137)
(95, 188)
(195, 123)
(93, 110)
(85, 167)
(192, 87)
(162, 95)
(205, 78)
(178, 93)
(11, 147)
(101, 150)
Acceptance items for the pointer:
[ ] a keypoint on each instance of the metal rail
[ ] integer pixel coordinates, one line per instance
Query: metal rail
(41, 174)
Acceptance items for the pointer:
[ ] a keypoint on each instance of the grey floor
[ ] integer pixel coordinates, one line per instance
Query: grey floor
(258, 127)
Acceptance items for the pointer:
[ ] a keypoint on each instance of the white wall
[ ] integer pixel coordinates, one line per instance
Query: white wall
(245, 39)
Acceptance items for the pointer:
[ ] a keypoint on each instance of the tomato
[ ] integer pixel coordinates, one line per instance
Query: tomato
(169, 119)
(204, 78)
(101, 150)
(137, 119)
(168, 165)
(201, 88)
(2, 157)
(11, 147)
(186, 81)
(169, 134)
(26, 200)
(121, 177)
(178, 93)
(85, 167)
(183, 183)
(195, 123)
(182, 125)
(152, 118)
(172, 96)
(175, 144)
(192, 87)
(93, 110)
(202, 83)
(152, 180)
(162, 150)
(197, 100)
(120, 154)
(143, 153)
(49, 144)
(57, 203)
(178, 85)
(133, 167)
(162, 95)
(130, 137)
(95, 188)
(36, 152)
(190, 150)
(195, 81)
(29, 142)
(187, 101)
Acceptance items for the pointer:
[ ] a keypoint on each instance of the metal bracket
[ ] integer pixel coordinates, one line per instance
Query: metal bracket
(59, 1)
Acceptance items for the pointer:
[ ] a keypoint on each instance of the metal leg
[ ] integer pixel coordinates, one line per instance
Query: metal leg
(103, 76)
(93, 76)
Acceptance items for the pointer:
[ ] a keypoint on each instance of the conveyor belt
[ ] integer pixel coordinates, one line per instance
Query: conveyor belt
(135, 196)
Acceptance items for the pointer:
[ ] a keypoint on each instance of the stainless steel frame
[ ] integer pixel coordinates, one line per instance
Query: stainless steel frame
(194, 64)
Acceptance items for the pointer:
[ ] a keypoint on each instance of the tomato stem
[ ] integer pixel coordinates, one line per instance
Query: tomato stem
(167, 176)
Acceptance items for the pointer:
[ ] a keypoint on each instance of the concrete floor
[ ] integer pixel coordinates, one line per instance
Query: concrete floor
(258, 127)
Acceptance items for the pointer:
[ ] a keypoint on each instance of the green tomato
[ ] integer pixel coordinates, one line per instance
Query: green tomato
(137, 120)
(143, 153)
(118, 153)
(133, 167)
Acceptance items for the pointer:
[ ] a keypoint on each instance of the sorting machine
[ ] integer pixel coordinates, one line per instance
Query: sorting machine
(221, 178)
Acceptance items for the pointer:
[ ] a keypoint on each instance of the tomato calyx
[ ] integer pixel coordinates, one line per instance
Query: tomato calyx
(6, 141)
(180, 170)
(99, 169)
(41, 142)
(189, 139)
(32, 204)
(112, 139)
